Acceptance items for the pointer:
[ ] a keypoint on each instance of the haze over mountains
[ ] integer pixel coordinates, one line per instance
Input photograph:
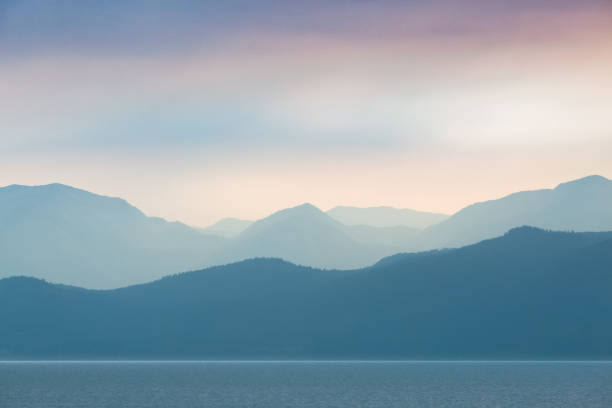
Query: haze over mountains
(380, 217)
(579, 205)
(70, 236)
(304, 235)
(227, 227)
(530, 294)
(75, 237)
(385, 217)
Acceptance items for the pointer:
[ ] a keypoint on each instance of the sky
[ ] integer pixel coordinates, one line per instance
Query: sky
(198, 110)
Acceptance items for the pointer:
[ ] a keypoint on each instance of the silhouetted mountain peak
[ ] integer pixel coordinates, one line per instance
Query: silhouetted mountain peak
(305, 210)
(54, 189)
(73, 236)
(56, 198)
(589, 181)
(578, 205)
(16, 283)
(523, 231)
(45, 187)
(58, 186)
(302, 215)
(304, 235)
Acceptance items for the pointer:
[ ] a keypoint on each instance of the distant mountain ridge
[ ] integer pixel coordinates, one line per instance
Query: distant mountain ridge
(580, 205)
(303, 235)
(385, 217)
(71, 236)
(227, 227)
(529, 294)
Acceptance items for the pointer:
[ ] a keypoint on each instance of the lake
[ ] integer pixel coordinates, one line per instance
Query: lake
(305, 384)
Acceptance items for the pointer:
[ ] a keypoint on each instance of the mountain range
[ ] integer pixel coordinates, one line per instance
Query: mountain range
(380, 217)
(385, 217)
(304, 235)
(227, 227)
(70, 236)
(579, 205)
(75, 237)
(529, 294)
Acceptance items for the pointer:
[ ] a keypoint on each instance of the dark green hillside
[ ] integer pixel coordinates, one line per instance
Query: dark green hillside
(528, 294)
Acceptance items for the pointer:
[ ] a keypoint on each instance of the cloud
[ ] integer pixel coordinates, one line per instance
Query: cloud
(182, 26)
(307, 98)
(312, 93)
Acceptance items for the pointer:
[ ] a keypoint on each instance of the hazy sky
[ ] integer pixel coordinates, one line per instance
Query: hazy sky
(196, 110)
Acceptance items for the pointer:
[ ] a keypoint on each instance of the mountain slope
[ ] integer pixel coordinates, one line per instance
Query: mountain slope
(227, 227)
(579, 205)
(303, 235)
(75, 237)
(70, 236)
(528, 294)
(385, 217)
(390, 240)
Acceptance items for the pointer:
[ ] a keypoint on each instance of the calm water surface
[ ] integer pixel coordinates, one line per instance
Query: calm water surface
(305, 384)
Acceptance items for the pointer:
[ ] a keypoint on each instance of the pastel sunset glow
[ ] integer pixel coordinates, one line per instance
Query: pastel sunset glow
(201, 111)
